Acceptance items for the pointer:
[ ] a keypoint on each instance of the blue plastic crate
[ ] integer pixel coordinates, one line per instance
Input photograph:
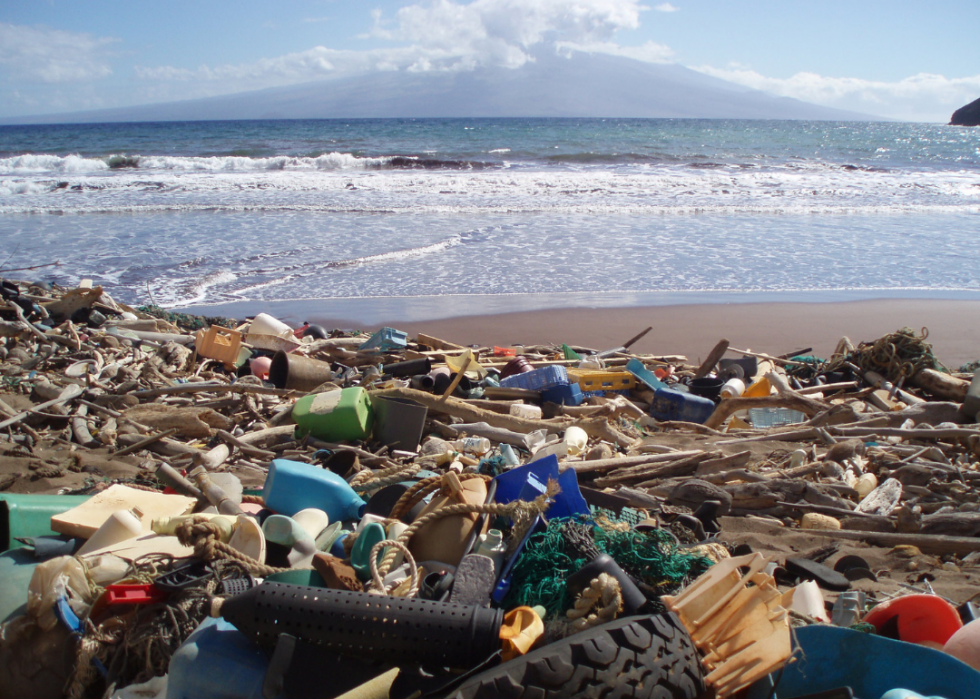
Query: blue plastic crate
(569, 394)
(538, 379)
(386, 339)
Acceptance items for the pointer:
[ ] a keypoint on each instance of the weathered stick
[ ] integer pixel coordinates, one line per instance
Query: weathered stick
(623, 461)
(216, 388)
(941, 385)
(713, 356)
(70, 392)
(244, 447)
(914, 433)
(153, 438)
(730, 406)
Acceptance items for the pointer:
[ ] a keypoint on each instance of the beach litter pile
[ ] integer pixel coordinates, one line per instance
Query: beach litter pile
(201, 508)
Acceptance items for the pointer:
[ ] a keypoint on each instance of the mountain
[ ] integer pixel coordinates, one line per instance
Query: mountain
(582, 85)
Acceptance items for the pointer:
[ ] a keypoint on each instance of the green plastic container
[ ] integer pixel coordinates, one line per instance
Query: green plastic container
(23, 516)
(335, 416)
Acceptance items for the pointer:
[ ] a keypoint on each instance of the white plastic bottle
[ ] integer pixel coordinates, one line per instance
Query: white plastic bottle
(121, 525)
(473, 445)
(493, 547)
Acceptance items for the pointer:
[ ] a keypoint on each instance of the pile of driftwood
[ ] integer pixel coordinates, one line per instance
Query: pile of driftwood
(95, 392)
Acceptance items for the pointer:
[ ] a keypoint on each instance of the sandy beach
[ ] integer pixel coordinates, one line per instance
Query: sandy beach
(691, 330)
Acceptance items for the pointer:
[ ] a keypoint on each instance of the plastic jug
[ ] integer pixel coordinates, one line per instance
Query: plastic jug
(217, 661)
(341, 415)
(292, 486)
(669, 404)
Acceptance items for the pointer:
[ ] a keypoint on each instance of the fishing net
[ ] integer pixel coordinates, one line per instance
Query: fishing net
(186, 321)
(652, 559)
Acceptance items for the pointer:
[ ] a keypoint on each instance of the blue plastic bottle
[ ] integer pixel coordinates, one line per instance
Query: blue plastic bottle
(292, 486)
(669, 404)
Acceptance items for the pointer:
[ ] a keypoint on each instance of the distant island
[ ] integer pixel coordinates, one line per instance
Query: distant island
(968, 115)
(579, 85)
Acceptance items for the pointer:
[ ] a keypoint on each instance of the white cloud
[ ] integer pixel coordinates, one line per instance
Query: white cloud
(51, 55)
(444, 35)
(650, 52)
(666, 7)
(922, 97)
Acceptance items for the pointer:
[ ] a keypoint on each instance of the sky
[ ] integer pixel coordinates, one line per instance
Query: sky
(900, 59)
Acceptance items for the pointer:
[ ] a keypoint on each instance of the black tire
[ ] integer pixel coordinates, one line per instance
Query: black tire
(640, 656)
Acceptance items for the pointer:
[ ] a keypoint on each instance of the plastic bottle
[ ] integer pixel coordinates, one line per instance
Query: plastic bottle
(733, 388)
(121, 525)
(493, 547)
(528, 412)
(292, 486)
(576, 439)
(473, 445)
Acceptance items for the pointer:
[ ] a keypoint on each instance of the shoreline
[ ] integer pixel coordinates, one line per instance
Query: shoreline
(691, 329)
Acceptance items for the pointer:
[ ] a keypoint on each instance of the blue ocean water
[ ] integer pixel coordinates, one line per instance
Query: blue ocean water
(500, 213)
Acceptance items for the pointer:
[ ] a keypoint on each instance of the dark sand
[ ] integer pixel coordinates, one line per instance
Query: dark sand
(775, 328)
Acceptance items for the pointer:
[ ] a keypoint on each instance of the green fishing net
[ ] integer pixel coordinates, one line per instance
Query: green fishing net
(652, 559)
(186, 321)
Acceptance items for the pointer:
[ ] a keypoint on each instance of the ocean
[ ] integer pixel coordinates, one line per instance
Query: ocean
(421, 218)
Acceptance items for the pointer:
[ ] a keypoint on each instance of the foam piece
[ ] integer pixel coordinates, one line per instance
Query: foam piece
(475, 578)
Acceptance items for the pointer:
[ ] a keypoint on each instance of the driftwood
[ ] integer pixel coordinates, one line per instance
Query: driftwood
(651, 473)
(625, 461)
(68, 394)
(730, 406)
(188, 421)
(713, 356)
(724, 463)
(216, 388)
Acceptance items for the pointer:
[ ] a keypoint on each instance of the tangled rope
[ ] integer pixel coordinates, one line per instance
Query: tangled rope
(521, 512)
(604, 595)
(379, 587)
(203, 537)
(896, 356)
(425, 486)
(372, 480)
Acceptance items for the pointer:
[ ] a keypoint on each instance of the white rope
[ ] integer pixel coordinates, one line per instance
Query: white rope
(603, 593)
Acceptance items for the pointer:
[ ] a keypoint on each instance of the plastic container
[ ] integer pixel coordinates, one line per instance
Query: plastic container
(576, 439)
(924, 619)
(602, 380)
(121, 526)
(217, 662)
(537, 379)
(264, 324)
(292, 486)
(569, 394)
(399, 422)
(473, 445)
(386, 339)
(493, 547)
(526, 411)
(394, 629)
(707, 387)
(222, 344)
(760, 389)
(669, 404)
(298, 373)
(334, 416)
(733, 388)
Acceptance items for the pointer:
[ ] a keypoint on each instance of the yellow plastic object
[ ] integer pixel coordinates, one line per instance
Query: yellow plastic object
(760, 389)
(592, 380)
(466, 359)
(219, 343)
(521, 629)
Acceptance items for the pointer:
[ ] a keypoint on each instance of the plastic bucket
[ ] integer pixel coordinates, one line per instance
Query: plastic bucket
(298, 373)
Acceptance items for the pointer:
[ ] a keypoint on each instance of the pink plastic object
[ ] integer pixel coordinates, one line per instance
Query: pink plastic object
(965, 644)
(260, 367)
(925, 619)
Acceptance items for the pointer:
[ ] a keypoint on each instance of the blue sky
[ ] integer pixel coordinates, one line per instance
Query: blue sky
(902, 59)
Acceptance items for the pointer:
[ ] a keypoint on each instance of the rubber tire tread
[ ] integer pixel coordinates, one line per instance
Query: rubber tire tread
(640, 656)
